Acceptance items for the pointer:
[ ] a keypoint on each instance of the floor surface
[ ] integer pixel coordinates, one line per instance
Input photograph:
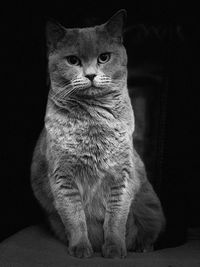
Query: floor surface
(36, 247)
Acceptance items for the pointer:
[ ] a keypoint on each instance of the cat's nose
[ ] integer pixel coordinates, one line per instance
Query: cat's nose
(90, 76)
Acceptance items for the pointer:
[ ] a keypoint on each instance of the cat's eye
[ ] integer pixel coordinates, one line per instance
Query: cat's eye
(103, 58)
(73, 60)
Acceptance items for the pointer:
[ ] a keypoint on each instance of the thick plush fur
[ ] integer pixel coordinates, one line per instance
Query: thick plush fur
(86, 173)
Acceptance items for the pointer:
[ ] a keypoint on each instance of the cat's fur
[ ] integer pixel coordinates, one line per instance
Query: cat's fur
(86, 173)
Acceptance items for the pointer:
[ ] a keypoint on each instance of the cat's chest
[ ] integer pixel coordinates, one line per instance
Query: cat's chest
(90, 142)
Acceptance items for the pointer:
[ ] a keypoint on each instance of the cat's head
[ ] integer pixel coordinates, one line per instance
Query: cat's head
(87, 60)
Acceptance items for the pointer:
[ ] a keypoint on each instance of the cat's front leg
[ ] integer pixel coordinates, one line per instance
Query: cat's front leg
(117, 211)
(68, 204)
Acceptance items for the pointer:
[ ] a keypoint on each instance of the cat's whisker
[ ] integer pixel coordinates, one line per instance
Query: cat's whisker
(60, 84)
(56, 95)
(61, 92)
(60, 103)
(63, 84)
(71, 91)
(80, 82)
(105, 79)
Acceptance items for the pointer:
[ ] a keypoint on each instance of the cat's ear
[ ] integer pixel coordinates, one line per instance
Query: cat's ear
(54, 33)
(115, 25)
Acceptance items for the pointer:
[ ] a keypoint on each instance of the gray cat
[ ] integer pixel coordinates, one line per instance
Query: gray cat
(85, 171)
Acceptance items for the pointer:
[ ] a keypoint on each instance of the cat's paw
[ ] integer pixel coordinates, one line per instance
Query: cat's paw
(83, 249)
(114, 248)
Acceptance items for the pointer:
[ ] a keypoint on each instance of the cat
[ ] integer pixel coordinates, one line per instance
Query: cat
(85, 172)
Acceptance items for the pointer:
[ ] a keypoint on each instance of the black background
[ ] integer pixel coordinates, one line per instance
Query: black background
(24, 93)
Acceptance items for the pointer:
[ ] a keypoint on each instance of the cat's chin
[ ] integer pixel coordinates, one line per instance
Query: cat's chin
(93, 86)
(90, 91)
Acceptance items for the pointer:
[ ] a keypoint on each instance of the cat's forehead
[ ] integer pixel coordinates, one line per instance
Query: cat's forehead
(87, 41)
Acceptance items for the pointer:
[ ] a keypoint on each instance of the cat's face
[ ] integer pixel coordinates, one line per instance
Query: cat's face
(88, 60)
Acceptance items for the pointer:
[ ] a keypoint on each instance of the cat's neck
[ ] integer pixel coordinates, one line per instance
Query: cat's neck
(100, 110)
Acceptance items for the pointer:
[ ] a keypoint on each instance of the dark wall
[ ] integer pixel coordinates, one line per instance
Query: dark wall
(24, 93)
